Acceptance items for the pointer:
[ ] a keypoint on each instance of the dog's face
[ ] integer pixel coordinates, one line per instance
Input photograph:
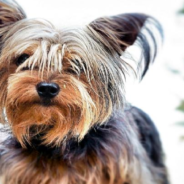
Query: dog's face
(56, 84)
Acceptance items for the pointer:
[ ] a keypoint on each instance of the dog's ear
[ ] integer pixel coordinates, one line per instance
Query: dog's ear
(116, 33)
(10, 12)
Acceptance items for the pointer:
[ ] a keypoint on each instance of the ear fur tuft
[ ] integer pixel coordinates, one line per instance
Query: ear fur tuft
(117, 33)
(10, 12)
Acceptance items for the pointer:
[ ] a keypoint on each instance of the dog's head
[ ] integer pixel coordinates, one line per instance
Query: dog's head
(56, 84)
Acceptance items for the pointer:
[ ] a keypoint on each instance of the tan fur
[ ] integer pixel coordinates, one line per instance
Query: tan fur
(88, 171)
(116, 169)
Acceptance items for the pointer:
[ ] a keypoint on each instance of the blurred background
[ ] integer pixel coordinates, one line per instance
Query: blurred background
(161, 93)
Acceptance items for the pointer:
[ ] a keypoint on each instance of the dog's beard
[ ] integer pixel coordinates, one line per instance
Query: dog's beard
(71, 113)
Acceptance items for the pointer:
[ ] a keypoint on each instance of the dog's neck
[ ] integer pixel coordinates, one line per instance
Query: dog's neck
(99, 149)
(104, 155)
(98, 136)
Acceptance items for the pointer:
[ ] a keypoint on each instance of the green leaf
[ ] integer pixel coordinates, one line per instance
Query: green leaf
(181, 11)
(181, 106)
(182, 138)
(175, 71)
(180, 123)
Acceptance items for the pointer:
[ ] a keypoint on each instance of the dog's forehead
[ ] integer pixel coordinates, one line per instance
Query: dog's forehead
(41, 40)
(28, 33)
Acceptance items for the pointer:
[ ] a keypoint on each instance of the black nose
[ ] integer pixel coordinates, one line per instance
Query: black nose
(47, 90)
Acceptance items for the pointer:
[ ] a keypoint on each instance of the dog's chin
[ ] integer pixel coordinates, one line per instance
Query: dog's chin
(46, 102)
(46, 123)
(36, 137)
(40, 135)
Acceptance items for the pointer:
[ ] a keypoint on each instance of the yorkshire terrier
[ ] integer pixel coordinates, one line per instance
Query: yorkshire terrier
(63, 106)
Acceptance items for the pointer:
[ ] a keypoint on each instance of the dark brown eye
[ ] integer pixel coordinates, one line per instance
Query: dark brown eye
(81, 66)
(21, 59)
(77, 69)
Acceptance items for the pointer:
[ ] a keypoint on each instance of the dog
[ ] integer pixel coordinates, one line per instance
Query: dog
(63, 109)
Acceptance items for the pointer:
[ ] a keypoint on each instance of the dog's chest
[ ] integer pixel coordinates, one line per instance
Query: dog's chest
(97, 159)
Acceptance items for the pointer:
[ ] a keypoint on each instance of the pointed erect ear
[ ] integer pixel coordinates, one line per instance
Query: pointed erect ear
(10, 12)
(116, 33)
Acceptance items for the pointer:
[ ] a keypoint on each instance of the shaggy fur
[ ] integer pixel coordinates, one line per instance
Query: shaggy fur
(76, 130)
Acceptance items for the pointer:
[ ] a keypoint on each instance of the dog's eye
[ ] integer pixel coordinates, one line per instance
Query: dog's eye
(77, 69)
(21, 59)
(81, 66)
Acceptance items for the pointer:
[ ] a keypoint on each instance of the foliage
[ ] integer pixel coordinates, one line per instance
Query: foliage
(181, 106)
(181, 11)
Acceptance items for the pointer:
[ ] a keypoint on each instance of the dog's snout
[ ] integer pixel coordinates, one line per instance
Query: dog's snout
(47, 90)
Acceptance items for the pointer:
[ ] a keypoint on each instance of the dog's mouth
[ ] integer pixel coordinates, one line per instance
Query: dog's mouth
(46, 102)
